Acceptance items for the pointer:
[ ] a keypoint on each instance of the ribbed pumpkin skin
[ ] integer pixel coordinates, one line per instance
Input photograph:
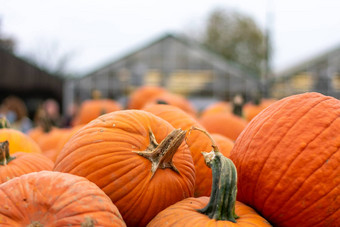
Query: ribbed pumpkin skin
(91, 109)
(24, 163)
(288, 162)
(184, 214)
(55, 199)
(18, 141)
(196, 141)
(102, 151)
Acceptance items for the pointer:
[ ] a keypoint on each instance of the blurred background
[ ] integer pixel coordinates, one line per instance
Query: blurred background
(54, 55)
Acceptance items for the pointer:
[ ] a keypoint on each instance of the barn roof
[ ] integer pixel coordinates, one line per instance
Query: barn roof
(216, 59)
(19, 77)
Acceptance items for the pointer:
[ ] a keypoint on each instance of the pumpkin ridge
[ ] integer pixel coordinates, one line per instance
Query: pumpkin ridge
(13, 205)
(290, 164)
(128, 170)
(108, 166)
(269, 155)
(280, 107)
(94, 211)
(310, 205)
(315, 224)
(52, 204)
(332, 222)
(70, 202)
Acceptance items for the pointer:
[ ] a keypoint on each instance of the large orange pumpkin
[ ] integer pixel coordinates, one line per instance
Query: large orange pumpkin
(221, 209)
(18, 141)
(20, 163)
(56, 199)
(93, 108)
(197, 143)
(138, 159)
(288, 161)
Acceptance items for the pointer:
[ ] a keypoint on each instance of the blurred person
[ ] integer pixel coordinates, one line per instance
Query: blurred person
(15, 111)
(71, 112)
(52, 112)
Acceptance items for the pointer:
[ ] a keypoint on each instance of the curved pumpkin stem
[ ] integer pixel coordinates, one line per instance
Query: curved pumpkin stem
(221, 205)
(161, 154)
(4, 123)
(5, 157)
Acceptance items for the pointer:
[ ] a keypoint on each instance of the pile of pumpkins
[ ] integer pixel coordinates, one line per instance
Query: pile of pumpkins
(158, 162)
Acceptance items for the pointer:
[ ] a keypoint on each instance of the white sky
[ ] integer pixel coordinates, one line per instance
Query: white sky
(94, 32)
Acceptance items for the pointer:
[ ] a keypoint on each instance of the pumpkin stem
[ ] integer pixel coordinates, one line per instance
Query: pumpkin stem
(5, 157)
(161, 154)
(35, 224)
(4, 123)
(221, 205)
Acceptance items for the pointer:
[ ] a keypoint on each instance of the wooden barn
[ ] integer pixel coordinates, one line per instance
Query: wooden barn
(172, 61)
(24, 80)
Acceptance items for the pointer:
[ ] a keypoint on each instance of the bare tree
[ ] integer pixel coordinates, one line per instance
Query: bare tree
(238, 38)
(6, 41)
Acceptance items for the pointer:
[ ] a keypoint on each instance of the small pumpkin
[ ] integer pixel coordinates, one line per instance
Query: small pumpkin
(18, 141)
(250, 110)
(217, 107)
(20, 163)
(174, 100)
(136, 158)
(93, 108)
(139, 97)
(57, 199)
(288, 161)
(226, 124)
(221, 209)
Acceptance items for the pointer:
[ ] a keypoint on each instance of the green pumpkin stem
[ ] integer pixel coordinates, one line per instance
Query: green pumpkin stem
(4, 123)
(5, 157)
(160, 155)
(222, 201)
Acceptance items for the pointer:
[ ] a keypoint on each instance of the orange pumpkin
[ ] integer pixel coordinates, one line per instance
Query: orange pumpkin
(224, 144)
(174, 100)
(197, 142)
(221, 209)
(18, 141)
(217, 107)
(49, 198)
(138, 159)
(288, 161)
(91, 109)
(65, 135)
(142, 95)
(250, 110)
(20, 163)
(228, 125)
